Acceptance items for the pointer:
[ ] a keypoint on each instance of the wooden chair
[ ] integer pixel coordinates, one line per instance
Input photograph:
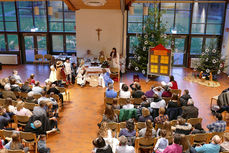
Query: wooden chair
(137, 101)
(195, 121)
(37, 96)
(190, 139)
(122, 101)
(23, 95)
(176, 91)
(15, 151)
(114, 73)
(14, 103)
(29, 106)
(2, 102)
(64, 92)
(21, 120)
(170, 139)
(145, 143)
(7, 134)
(38, 59)
(113, 126)
(140, 125)
(47, 59)
(122, 125)
(158, 126)
(28, 138)
(174, 122)
(214, 98)
(17, 94)
(57, 98)
(108, 101)
(116, 111)
(220, 134)
(201, 138)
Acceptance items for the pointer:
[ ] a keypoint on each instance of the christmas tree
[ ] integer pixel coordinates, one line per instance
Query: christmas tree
(153, 35)
(211, 61)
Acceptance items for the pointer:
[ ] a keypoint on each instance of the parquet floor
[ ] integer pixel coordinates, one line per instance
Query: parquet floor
(78, 120)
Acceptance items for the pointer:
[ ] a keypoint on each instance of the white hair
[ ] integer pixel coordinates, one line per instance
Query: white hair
(7, 87)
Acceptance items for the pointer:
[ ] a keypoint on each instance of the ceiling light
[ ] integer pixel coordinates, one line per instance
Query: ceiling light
(94, 2)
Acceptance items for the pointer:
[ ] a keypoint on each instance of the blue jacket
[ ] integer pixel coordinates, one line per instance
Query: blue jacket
(111, 93)
(4, 119)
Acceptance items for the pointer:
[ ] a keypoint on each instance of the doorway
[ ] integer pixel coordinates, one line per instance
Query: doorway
(34, 44)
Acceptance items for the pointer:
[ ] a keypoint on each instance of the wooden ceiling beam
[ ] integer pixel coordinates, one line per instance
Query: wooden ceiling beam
(70, 5)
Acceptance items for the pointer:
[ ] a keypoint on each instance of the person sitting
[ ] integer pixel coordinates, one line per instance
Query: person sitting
(158, 90)
(115, 104)
(182, 127)
(212, 147)
(173, 108)
(30, 98)
(145, 102)
(41, 145)
(37, 89)
(175, 147)
(109, 115)
(133, 86)
(124, 147)
(21, 111)
(16, 76)
(167, 127)
(225, 145)
(110, 93)
(16, 144)
(138, 93)
(7, 93)
(166, 92)
(4, 118)
(54, 90)
(185, 144)
(124, 92)
(14, 86)
(218, 126)
(25, 87)
(81, 76)
(10, 109)
(31, 79)
(43, 97)
(150, 93)
(129, 131)
(102, 58)
(145, 115)
(197, 128)
(162, 142)
(34, 127)
(88, 57)
(128, 104)
(148, 131)
(100, 146)
(172, 82)
(105, 79)
(40, 110)
(157, 103)
(190, 111)
(185, 97)
(162, 116)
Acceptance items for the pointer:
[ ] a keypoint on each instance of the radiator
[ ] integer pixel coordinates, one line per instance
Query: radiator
(8, 59)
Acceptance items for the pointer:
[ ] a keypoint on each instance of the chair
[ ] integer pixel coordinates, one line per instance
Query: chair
(140, 125)
(108, 101)
(21, 120)
(38, 58)
(137, 101)
(173, 122)
(7, 134)
(145, 143)
(176, 91)
(23, 95)
(15, 151)
(195, 121)
(29, 106)
(116, 111)
(57, 98)
(36, 96)
(29, 137)
(158, 126)
(114, 73)
(214, 98)
(47, 59)
(64, 92)
(201, 138)
(220, 134)
(113, 126)
(2, 102)
(122, 125)
(14, 103)
(190, 139)
(17, 94)
(122, 101)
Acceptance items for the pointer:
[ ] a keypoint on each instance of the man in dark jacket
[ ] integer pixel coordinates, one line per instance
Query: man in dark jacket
(184, 98)
(190, 111)
(138, 93)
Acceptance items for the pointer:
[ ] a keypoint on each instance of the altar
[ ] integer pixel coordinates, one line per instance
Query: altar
(91, 70)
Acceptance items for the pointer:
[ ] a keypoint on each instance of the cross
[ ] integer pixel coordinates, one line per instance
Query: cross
(98, 33)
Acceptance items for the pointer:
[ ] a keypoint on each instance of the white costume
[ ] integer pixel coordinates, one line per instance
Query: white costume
(122, 64)
(81, 78)
(52, 76)
(115, 62)
(113, 142)
(67, 68)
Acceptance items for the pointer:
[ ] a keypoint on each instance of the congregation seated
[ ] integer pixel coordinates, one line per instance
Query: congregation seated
(182, 127)
(150, 93)
(212, 147)
(25, 87)
(190, 111)
(30, 98)
(148, 131)
(162, 142)
(109, 115)
(16, 76)
(10, 109)
(31, 79)
(124, 92)
(4, 118)
(7, 93)
(162, 116)
(158, 90)
(145, 115)
(138, 93)
(14, 86)
(129, 131)
(15, 143)
(110, 93)
(145, 102)
(219, 125)
(175, 147)
(173, 109)
(100, 146)
(37, 89)
(185, 97)
(115, 104)
(166, 92)
(224, 146)
(157, 103)
(128, 105)
(21, 111)
(197, 128)
(124, 147)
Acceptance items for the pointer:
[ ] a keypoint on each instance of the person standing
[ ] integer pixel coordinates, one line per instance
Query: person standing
(68, 70)
(114, 58)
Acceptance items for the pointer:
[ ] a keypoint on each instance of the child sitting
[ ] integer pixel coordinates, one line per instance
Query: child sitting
(162, 142)
(42, 148)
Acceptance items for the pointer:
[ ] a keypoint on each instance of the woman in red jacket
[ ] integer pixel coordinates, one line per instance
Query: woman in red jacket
(173, 82)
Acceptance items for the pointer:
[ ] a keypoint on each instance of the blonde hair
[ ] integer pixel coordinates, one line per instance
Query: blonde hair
(19, 105)
(145, 112)
(149, 128)
(162, 110)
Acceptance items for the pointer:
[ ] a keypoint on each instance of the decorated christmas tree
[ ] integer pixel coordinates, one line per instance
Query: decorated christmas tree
(153, 35)
(211, 61)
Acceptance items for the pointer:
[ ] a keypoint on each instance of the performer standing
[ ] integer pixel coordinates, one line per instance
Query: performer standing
(52, 76)
(68, 70)
(114, 56)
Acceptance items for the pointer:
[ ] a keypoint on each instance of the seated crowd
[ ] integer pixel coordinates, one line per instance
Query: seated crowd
(42, 117)
(164, 115)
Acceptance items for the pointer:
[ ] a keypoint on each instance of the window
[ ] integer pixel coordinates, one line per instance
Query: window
(10, 16)
(2, 42)
(58, 43)
(56, 20)
(25, 16)
(154, 59)
(40, 20)
(70, 43)
(168, 15)
(12, 42)
(69, 20)
(164, 60)
(196, 46)
(135, 20)
(164, 69)
(154, 68)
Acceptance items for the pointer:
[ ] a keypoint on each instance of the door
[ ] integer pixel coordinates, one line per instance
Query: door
(34, 44)
(179, 51)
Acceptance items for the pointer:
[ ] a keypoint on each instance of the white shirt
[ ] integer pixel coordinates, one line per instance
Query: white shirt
(124, 94)
(23, 112)
(37, 90)
(67, 68)
(125, 149)
(43, 99)
(159, 104)
(88, 57)
(128, 106)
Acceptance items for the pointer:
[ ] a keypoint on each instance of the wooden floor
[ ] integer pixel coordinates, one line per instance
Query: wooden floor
(78, 121)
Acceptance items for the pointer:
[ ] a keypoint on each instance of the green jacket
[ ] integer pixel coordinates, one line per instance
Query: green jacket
(126, 114)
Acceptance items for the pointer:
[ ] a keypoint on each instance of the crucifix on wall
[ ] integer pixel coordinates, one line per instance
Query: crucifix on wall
(98, 33)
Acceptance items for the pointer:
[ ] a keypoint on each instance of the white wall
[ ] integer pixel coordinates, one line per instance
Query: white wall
(88, 20)
(225, 44)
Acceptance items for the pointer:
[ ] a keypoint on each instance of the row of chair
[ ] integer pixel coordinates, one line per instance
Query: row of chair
(40, 59)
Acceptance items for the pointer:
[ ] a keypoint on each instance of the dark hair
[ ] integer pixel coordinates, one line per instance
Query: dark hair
(144, 98)
(42, 104)
(174, 97)
(130, 125)
(115, 53)
(166, 88)
(177, 139)
(99, 142)
(125, 87)
(162, 133)
(186, 91)
(171, 77)
(109, 112)
(12, 81)
(219, 116)
(138, 86)
(115, 101)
